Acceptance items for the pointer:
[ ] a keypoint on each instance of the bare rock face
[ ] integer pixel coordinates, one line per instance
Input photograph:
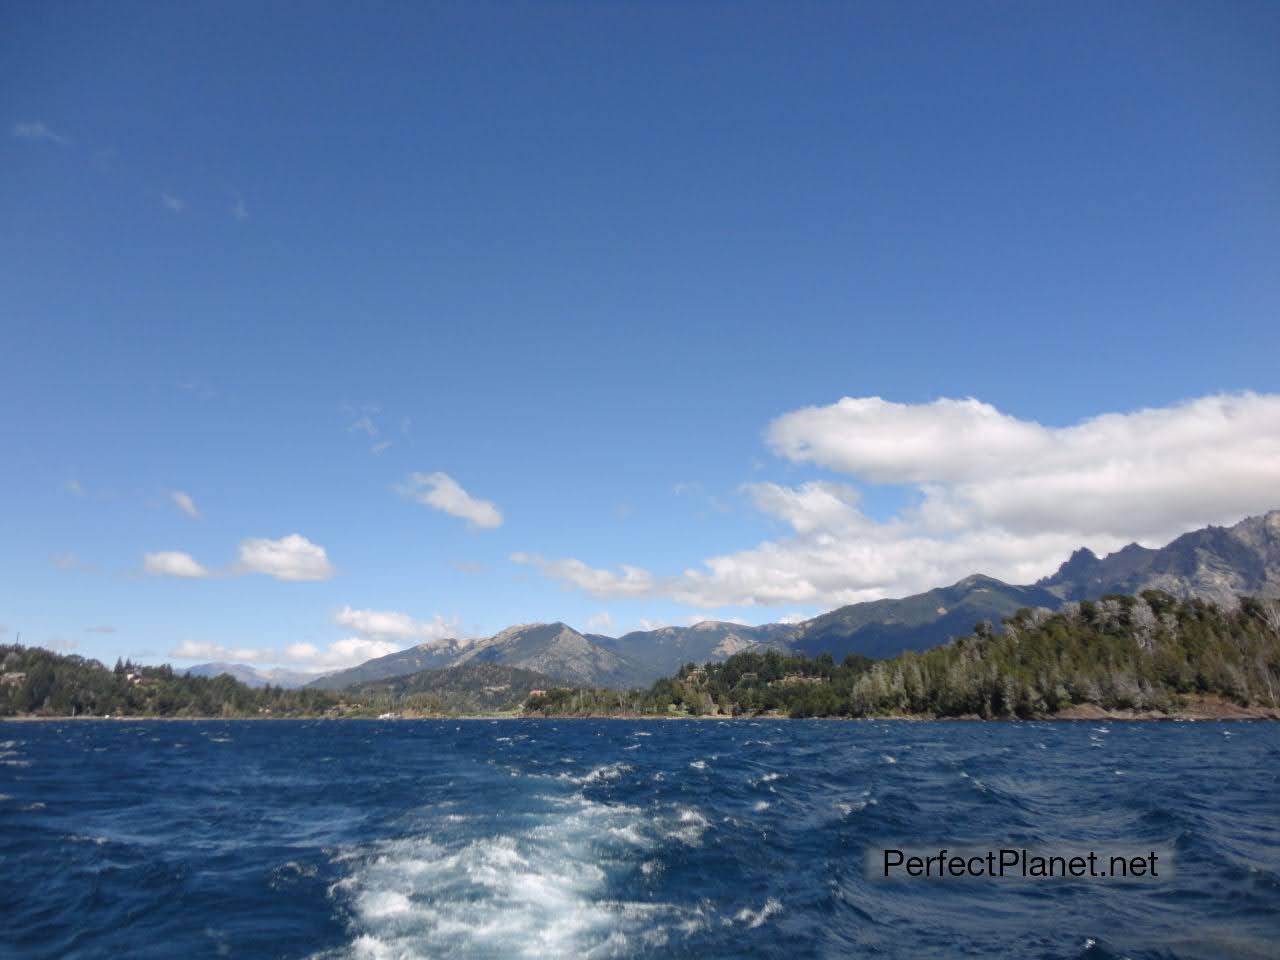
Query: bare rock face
(1217, 564)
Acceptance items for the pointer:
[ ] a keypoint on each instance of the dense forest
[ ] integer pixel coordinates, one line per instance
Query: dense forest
(36, 682)
(1142, 653)
(468, 689)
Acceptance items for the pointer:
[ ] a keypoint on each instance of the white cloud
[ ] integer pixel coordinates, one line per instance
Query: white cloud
(293, 558)
(441, 492)
(34, 130)
(338, 655)
(103, 628)
(600, 622)
(364, 424)
(184, 503)
(392, 625)
(380, 446)
(172, 203)
(238, 209)
(792, 617)
(628, 581)
(994, 494)
(304, 656)
(172, 563)
(202, 650)
(74, 487)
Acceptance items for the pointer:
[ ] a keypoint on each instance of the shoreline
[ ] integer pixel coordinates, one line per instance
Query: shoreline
(1192, 710)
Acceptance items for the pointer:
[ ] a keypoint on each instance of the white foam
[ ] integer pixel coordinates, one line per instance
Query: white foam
(605, 773)
(756, 918)
(698, 764)
(540, 892)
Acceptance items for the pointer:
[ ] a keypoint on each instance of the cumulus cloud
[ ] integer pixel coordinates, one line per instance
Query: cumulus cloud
(35, 130)
(441, 492)
(184, 503)
(293, 558)
(173, 563)
(393, 625)
(992, 494)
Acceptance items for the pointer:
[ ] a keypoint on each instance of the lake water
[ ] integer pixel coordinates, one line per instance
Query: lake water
(628, 839)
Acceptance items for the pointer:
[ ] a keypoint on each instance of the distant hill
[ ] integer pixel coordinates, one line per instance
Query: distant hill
(885, 628)
(252, 676)
(553, 649)
(1216, 564)
(560, 652)
(662, 651)
(435, 655)
(470, 688)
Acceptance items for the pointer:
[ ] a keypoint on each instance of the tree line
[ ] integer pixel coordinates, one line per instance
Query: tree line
(1145, 653)
(37, 682)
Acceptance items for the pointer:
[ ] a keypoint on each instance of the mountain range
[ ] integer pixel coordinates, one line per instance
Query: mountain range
(1217, 564)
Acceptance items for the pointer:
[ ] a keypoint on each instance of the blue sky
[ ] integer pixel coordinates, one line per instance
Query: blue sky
(610, 268)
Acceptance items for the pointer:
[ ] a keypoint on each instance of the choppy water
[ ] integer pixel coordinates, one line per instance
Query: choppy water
(602, 839)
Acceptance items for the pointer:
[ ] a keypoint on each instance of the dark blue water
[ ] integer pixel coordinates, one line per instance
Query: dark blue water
(601, 839)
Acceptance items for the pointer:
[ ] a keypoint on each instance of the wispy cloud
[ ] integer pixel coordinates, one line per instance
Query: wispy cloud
(35, 130)
(600, 622)
(239, 210)
(67, 562)
(102, 628)
(184, 503)
(172, 202)
(441, 492)
(363, 424)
